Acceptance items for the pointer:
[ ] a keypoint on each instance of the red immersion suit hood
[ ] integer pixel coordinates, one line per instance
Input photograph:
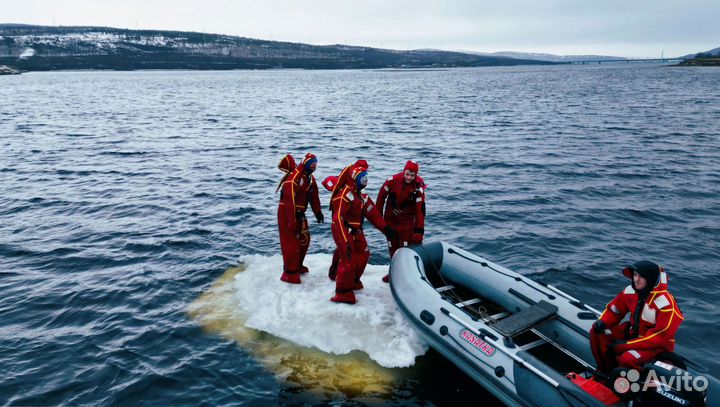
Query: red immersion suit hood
(361, 164)
(287, 164)
(412, 166)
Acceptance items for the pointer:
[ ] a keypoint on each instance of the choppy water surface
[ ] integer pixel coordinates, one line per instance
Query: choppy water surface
(128, 199)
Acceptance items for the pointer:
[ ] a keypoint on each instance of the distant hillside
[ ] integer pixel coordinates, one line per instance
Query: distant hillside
(32, 48)
(707, 58)
(715, 52)
(550, 57)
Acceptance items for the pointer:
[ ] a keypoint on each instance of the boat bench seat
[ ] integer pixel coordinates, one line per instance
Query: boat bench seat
(526, 319)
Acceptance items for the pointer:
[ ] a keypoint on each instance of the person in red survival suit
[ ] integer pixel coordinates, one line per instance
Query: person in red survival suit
(350, 207)
(654, 319)
(297, 190)
(335, 184)
(405, 209)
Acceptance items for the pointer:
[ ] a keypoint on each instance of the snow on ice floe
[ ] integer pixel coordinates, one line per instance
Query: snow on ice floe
(305, 315)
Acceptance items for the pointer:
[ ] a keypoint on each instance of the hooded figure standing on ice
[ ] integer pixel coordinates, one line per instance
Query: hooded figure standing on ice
(335, 184)
(350, 206)
(297, 189)
(405, 209)
(654, 319)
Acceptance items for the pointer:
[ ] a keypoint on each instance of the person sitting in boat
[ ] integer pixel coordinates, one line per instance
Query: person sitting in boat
(297, 189)
(654, 319)
(350, 207)
(402, 202)
(335, 184)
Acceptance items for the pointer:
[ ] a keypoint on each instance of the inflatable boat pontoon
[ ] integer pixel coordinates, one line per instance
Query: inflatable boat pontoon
(525, 342)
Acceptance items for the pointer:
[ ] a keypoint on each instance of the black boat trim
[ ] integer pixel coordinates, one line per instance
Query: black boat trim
(427, 317)
(521, 296)
(586, 315)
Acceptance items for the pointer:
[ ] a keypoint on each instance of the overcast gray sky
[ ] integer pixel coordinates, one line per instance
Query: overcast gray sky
(633, 28)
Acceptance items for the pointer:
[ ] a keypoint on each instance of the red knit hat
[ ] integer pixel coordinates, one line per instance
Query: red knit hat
(412, 166)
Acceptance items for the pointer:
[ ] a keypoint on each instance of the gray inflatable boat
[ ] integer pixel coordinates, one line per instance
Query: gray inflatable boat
(525, 342)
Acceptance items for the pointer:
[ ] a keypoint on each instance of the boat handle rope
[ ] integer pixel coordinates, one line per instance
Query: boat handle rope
(499, 347)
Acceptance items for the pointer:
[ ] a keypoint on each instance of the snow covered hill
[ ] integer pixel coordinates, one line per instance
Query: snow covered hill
(30, 47)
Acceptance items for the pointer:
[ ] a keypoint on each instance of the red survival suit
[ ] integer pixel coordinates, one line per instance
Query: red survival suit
(405, 209)
(650, 330)
(350, 207)
(298, 188)
(335, 184)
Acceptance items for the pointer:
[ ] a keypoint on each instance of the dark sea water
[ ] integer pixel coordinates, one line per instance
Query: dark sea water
(125, 195)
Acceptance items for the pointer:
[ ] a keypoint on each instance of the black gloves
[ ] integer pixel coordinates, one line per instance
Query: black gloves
(389, 232)
(320, 217)
(598, 327)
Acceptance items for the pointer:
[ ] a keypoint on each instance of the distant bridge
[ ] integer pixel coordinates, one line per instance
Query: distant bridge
(627, 61)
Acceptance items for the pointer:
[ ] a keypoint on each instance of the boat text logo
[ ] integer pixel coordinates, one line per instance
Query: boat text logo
(475, 341)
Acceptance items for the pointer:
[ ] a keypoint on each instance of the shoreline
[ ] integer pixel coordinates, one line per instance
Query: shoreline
(384, 69)
(11, 70)
(701, 62)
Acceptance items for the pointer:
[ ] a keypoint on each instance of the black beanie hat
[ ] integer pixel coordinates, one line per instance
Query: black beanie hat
(648, 270)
